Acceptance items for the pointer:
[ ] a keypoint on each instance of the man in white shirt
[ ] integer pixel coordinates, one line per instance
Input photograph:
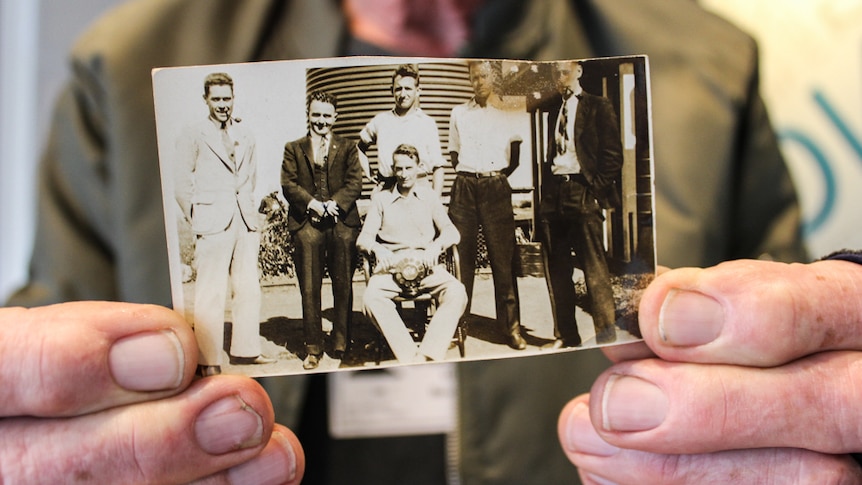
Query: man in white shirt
(484, 146)
(404, 123)
(410, 221)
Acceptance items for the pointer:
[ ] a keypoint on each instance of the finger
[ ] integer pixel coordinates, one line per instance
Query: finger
(630, 351)
(665, 407)
(216, 424)
(754, 313)
(76, 358)
(280, 462)
(600, 463)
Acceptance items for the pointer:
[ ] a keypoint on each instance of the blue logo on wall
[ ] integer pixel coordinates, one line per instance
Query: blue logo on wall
(830, 194)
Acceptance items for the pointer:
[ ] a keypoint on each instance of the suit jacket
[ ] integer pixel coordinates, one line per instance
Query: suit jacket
(598, 147)
(100, 233)
(343, 175)
(209, 185)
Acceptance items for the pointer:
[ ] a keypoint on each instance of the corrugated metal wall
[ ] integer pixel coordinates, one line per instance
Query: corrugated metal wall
(363, 91)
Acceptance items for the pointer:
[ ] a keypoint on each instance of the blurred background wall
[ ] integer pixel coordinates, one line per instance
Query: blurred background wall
(35, 36)
(811, 77)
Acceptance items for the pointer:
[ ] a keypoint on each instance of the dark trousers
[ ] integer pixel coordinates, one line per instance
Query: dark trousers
(487, 201)
(576, 223)
(332, 246)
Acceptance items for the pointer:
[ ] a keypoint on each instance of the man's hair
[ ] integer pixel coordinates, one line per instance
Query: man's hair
(557, 64)
(217, 79)
(496, 69)
(406, 70)
(495, 66)
(323, 97)
(405, 149)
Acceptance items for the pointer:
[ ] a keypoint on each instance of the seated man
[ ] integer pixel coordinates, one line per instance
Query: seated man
(408, 222)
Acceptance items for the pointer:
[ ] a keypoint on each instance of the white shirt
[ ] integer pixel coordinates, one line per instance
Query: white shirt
(482, 136)
(388, 130)
(317, 143)
(567, 162)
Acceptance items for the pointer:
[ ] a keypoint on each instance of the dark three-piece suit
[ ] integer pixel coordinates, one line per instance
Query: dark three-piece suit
(329, 242)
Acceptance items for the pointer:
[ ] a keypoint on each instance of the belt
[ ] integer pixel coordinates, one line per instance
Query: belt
(392, 178)
(571, 177)
(480, 175)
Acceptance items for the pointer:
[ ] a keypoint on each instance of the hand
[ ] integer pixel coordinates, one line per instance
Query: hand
(331, 208)
(431, 255)
(514, 155)
(317, 207)
(103, 392)
(757, 379)
(384, 257)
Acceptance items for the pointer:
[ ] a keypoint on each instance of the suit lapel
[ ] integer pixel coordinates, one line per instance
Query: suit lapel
(308, 157)
(584, 107)
(308, 153)
(586, 151)
(241, 152)
(212, 138)
(332, 154)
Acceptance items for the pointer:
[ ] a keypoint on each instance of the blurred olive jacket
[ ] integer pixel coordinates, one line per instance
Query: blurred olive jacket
(723, 191)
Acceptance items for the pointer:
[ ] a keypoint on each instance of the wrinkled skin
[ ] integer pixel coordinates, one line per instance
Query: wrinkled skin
(104, 393)
(748, 373)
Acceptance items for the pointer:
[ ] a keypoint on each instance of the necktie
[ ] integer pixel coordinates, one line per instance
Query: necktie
(320, 156)
(227, 142)
(562, 136)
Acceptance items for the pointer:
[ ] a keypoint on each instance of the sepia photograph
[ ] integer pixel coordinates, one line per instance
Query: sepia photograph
(370, 212)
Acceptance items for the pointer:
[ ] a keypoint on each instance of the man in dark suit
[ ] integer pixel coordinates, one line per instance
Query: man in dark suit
(215, 180)
(322, 178)
(584, 160)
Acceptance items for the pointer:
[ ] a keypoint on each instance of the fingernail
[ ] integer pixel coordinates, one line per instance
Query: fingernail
(228, 424)
(632, 404)
(151, 361)
(581, 437)
(690, 318)
(275, 465)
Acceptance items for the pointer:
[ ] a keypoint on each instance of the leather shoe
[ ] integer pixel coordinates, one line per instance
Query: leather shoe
(555, 345)
(516, 341)
(259, 360)
(560, 344)
(606, 337)
(311, 361)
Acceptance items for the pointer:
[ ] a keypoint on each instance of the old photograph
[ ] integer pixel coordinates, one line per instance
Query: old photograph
(366, 212)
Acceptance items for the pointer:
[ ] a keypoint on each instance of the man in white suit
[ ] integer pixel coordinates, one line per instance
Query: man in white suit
(215, 179)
